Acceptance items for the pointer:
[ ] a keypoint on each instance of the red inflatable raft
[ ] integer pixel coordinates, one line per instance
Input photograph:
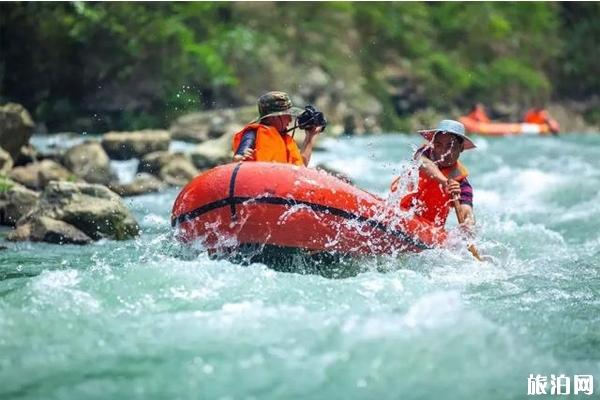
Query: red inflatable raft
(503, 129)
(292, 207)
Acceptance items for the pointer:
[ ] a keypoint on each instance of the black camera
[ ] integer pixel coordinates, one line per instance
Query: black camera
(311, 118)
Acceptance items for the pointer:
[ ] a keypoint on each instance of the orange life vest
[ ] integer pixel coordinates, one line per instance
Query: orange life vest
(541, 117)
(431, 200)
(271, 145)
(536, 117)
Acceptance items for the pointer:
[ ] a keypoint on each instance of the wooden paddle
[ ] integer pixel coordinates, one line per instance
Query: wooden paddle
(471, 247)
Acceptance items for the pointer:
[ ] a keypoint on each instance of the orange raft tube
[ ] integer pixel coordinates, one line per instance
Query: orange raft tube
(504, 129)
(295, 207)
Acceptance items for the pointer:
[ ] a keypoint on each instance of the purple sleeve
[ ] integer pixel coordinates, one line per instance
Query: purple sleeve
(248, 141)
(466, 192)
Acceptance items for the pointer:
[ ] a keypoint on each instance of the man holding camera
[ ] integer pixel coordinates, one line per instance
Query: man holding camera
(267, 139)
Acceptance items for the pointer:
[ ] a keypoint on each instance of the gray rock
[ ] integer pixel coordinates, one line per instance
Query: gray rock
(424, 118)
(178, 172)
(37, 175)
(93, 209)
(213, 152)
(569, 114)
(127, 145)
(6, 161)
(20, 234)
(143, 183)
(152, 163)
(56, 155)
(314, 81)
(175, 169)
(16, 127)
(44, 229)
(366, 112)
(90, 162)
(202, 126)
(27, 154)
(15, 201)
(371, 125)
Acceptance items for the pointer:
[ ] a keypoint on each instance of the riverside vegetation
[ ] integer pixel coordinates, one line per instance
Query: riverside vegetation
(370, 66)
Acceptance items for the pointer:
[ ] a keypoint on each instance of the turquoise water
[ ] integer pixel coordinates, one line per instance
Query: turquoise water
(130, 320)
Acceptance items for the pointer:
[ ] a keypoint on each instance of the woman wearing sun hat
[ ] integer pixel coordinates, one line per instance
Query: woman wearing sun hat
(442, 178)
(267, 139)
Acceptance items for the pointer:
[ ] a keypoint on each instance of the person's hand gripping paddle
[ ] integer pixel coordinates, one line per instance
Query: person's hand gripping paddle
(471, 247)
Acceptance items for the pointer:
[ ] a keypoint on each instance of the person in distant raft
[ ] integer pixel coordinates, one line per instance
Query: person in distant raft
(442, 178)
(267, 138)
(538, 115)
(478, 113)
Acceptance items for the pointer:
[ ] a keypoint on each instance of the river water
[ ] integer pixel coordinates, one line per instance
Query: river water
(132, 320)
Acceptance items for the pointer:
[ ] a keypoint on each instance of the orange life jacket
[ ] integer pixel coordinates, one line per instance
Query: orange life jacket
(536, 117)
(541, 117)
(431, 200)
(271, 145)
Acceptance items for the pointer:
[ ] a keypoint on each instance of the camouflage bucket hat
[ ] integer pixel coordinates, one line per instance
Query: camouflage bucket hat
(276, 103)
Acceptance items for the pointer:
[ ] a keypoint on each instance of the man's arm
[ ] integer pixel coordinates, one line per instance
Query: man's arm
(466, 206)
(309, 142)
(245, 150)
(466, 210)
(432, 170)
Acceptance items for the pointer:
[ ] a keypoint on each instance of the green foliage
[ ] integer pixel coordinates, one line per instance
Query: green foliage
(580, 59)
(593, 116)
(445, 79)
(5, 184)
(510, 78)
(138, 64)
(72, 178)
(491, 51)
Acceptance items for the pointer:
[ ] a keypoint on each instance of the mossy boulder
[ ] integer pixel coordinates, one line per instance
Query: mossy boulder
(44, 229)
(15, 201)
(213, 152)
(93, 209)
(90, 162)
(175, 169)
(37, 175)
(142, 183)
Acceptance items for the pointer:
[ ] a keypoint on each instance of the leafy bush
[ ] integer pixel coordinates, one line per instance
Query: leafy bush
(5, 184)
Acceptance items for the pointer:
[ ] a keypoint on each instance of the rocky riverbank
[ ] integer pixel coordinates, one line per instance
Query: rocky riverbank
(71, 195)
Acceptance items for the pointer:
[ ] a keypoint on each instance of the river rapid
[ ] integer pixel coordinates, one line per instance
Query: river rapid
(134, 320)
